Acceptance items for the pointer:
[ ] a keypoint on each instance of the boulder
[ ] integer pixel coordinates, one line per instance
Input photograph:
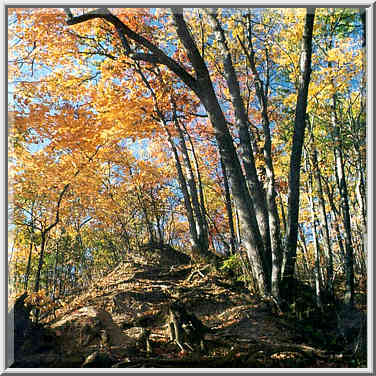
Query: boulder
(88, 329)
(20, 316)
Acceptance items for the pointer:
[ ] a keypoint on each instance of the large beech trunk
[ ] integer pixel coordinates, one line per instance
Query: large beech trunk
(257, 194)
(205, 91)
(273, 217)
(250, 232)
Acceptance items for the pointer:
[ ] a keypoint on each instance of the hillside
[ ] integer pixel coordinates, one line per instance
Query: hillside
(122, 321)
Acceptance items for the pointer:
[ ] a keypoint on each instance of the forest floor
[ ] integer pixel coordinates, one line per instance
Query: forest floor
(122, 321)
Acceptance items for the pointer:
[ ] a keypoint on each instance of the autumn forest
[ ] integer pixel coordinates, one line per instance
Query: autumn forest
(235, 137)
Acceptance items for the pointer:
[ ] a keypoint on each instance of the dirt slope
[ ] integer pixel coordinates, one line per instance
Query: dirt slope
(121, 322)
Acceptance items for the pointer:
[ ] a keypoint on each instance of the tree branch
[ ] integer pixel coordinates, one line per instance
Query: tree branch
(149, 58)
(124, 32)
(52, 225)
(186, 38)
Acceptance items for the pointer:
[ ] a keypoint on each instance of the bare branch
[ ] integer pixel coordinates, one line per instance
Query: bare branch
(149, 58)
(124, 32)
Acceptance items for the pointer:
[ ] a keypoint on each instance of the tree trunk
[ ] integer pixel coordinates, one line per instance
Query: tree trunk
(305, 253)
(296, 152)
(324, 220)
(238, 231)
(256, 190)
(198, 230)
(283, 213)
(31, 231)
(149, 225)
(40, 263)
(228, 208)
(361, 198)
(273, 217)
(200, 188)
(334, 223)
(45, 232)
(316, 245)
(55, 270)
(202, 231)
(27, 274)
(205, 91)
(158, 218)
(345, 208)
(187, 200)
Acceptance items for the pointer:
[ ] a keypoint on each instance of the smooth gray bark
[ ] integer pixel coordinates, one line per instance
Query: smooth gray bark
(228, 208)
(324, 220)
(202, 231)
(245, 145)
(314, 225)
(273, 217)
(251, 234)
(296, 153)
(335, 223)
(345, 207)
(200, 185)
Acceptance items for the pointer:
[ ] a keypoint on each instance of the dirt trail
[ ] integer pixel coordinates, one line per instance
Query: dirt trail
(120, 321)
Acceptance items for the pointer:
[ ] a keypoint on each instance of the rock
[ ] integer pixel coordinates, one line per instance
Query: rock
(19, 316)
(140, 336)
(136, 333)
(350, 323)
(38, 360)
(99, 359)
(88, 329)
